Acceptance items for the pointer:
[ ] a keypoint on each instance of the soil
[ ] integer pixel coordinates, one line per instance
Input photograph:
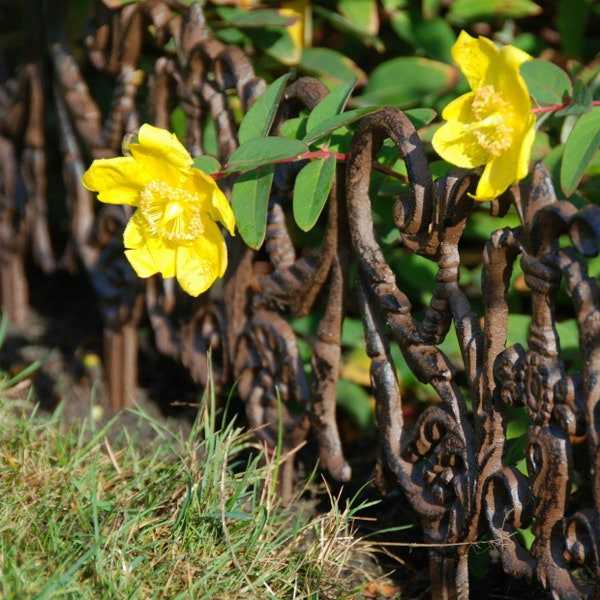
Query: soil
(64, 333)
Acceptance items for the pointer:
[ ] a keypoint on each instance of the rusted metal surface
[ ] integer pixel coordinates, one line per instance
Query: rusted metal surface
(452, 465)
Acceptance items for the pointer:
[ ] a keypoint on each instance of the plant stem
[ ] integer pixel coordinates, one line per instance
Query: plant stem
(555, 107)
(316, 154)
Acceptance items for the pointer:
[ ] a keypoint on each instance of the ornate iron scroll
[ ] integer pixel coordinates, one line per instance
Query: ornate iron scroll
(452, 466)
(241, 325)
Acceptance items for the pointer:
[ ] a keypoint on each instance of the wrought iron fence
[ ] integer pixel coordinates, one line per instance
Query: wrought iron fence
(451, 465)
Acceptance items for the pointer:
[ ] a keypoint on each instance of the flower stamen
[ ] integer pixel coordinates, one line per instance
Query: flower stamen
(171, 213)
(492, 128)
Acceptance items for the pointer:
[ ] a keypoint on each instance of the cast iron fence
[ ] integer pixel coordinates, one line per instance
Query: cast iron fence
(452, 464)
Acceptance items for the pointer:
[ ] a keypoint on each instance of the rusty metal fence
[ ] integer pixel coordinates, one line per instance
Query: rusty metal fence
(451, 465)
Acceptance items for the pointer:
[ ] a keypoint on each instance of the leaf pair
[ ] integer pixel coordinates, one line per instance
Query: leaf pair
(259, 152)
(550, 86)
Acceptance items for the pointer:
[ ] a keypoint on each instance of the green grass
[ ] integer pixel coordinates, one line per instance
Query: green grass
(184, 517)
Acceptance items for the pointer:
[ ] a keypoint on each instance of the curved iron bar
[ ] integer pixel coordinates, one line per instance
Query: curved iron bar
(450, 471)
(436, 466)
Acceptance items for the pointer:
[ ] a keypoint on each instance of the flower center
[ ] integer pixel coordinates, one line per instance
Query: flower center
(492, 128)
(172, 213)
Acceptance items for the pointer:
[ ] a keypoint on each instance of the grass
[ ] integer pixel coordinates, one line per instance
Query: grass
(193, 516)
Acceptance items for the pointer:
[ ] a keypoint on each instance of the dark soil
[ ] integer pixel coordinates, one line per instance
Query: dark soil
(64, 332)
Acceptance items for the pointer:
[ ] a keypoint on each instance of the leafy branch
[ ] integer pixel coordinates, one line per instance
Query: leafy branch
(315, 141)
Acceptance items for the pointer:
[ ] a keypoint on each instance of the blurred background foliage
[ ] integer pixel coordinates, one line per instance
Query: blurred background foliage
(398, 51)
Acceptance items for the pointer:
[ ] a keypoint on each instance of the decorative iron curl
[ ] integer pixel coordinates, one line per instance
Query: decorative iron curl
(271, 381)
(442, 491)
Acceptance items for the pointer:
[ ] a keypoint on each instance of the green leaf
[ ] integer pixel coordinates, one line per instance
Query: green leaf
(363, 14)
(328, 126)
(467, 11)
(579, 150)
(311, 190)
(579, 103)
(432, 37)
(259, 119)
(268, 17)
(277, 43)
(207, 164)
(294, 128)
(329, 65)
(548, 84)
(406, 81)
(572, 20)
(250, 202)
(263, 151)
(363, 29)
(355, 401)
(420, 117)
(330, 105)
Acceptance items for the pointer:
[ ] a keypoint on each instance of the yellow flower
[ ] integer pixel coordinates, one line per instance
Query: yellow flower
(300, 30)
(174, 230)
(492, 125)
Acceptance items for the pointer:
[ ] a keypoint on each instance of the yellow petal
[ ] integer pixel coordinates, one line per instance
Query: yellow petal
(142, 262)
(161, 154)
(164, 255)
(458, 147)
(512, 58)
(118, 180)
(459, 108)
(524, 156)
(201, 185)
(154, 256)
(473, 57)
(213, 244)
(505, 76)
(195, 272)
(133, 236)
(214, 200)
(508, 168)
(222, 210)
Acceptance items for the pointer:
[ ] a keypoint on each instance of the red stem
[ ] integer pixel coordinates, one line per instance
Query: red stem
(326, 154)
(546, 109)
(318, 154)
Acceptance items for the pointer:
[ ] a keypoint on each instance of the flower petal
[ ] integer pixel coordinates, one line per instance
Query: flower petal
(196, 271)
(153, 255)
(499, 132)
(142, 262)
(117, 180)
(458, 146)
(507, 78)
(161, 154)
(215, 201)
(525, 150)
(222, 210)
(134, 236)
(473, 56)
(213, 244)
(201, 185)
(501, 172)
(164, 255)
